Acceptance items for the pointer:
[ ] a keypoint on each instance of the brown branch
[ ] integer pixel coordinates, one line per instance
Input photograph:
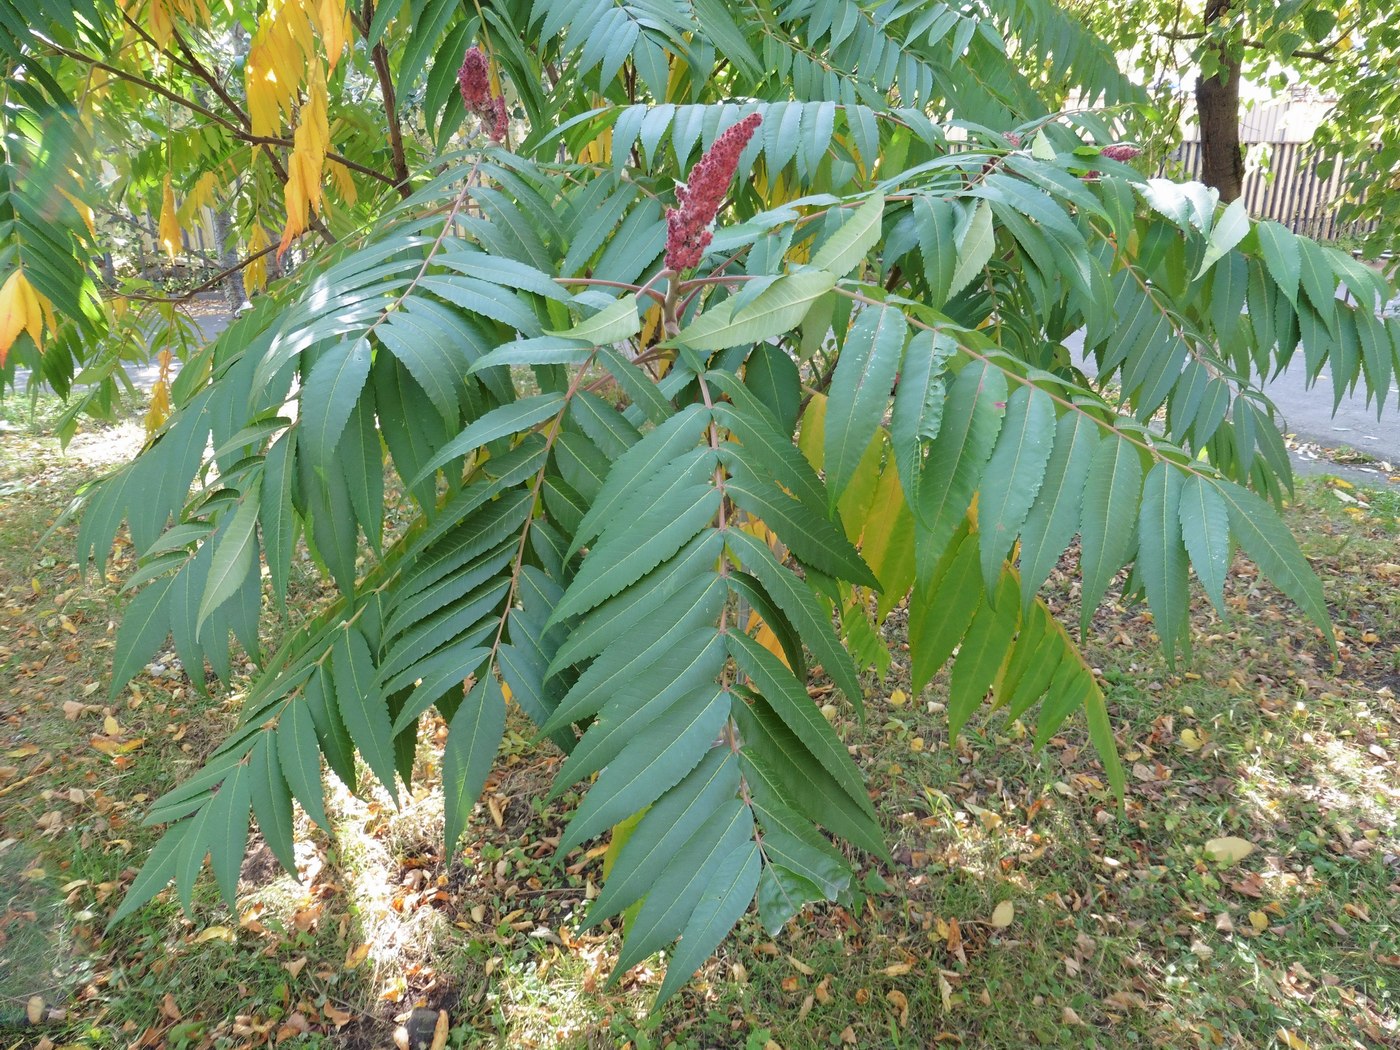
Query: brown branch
(205, 286)
(380, 57)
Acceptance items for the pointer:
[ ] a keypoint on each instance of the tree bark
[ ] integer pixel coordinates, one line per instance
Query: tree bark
(1218, 109)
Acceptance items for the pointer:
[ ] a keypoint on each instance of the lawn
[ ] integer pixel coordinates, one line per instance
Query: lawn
(1023, 908)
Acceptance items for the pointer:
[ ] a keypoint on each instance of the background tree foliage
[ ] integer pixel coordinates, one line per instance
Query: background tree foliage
(650, 500)
(1343, 49)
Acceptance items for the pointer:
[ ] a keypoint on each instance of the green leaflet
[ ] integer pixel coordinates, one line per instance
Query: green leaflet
(144, 625)
(328, 397)
(673, 897)
(656, 759)
(612, 324)
(272, 802)
(608, 569)
(362, 705)
(1053, 519)
(498, 423)
(1013, 476)
(972, 419)
(626, 613)
(1109, 522)
(667, 827)
(472, 741)
(801, 606)
(941, 607)
(778, 310)
(276, 512)
(1282, 257)
(860, 389)
(1161, 560)
(975, 249)
(981, 653)
(639, 464)
(1231, 227)
(687, 623)
(235, 554)
(844, 249)
(936, 220)
(299, 759)
(1205, 529)
(728, 892)
(156, 873)
(918, 406)
(1267, 540)
(788, 698)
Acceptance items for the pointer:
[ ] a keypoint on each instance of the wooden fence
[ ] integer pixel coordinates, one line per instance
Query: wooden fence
(1292, 193)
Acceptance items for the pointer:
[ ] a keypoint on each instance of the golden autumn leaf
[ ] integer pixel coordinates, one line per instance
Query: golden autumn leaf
(333, 20)
(169, 231)
(22, 309)
(255, 273)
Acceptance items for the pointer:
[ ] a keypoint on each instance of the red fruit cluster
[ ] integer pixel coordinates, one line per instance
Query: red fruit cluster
(474, 80)
(699, 199)
(1119, 151)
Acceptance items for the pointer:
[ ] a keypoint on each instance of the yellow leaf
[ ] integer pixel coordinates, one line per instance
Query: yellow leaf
(440, 1031)
(1259, 921)
(1003, 914)
(1229, 850)
(333, 20)
(83, 210)
(22, 309)
(215, 933)
(1288, 1039)
(355, 956)
(899, 698)
(169, 233)
(34, 1009)
(599, 151)
(1191, 740)
(160, 25)
(255, 273)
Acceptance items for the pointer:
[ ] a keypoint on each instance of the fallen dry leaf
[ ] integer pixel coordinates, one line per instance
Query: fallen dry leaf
(1229, 850)
(1003, 914)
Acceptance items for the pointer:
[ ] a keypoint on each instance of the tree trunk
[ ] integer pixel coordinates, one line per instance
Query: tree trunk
(1218, 109)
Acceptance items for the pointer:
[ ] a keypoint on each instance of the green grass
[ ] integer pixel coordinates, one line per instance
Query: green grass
(1122, 930)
